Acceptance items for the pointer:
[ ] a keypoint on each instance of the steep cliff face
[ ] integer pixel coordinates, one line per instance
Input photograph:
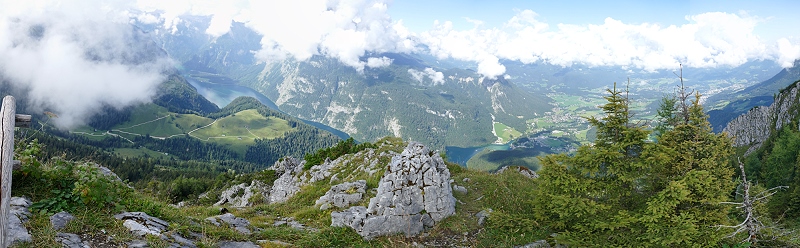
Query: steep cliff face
(754, 127)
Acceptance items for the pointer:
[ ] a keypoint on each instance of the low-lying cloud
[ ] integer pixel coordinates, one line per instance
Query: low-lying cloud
(73, 59)
(346, 30)
(707, 40)
(349, 29)
(436, 77)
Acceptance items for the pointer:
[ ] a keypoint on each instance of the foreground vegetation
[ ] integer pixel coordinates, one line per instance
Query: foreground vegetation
(623, 190)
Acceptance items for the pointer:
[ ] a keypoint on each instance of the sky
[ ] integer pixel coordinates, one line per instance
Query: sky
(73, 55)
(777, 15)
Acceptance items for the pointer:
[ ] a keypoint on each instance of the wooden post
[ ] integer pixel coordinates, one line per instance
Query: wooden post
(8, 112)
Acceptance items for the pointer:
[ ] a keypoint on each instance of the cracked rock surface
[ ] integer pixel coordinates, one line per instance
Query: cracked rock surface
(414, 193)
(239, 224)
(17, 216)
(141, 223)
(343, 195)
(287, 185)
(239, 195)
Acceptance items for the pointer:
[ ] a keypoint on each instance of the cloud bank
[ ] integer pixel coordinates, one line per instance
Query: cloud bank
(343, 29)
(436, 77)
(74, 58)
(707, 40)
(349, 30)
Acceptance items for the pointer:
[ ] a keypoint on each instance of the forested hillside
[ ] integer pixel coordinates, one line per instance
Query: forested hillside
(768, 139)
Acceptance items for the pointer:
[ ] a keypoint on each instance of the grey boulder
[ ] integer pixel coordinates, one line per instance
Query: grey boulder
(18, 215)
(60, 220)
(343, 195)
(142, 224)
(239, 224)
(70, 240)
(414, 193)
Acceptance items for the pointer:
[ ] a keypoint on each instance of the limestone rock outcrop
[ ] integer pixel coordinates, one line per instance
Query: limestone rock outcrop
(755, 126)
(522, 170)
(239, 224)
(60, 220)
(18, 215)
(70, 240)
(287, 185)
(240, 195)
(414, 193)
(343, 195)
(142, 224)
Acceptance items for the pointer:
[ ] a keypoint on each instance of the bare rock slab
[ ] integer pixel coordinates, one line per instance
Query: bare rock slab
(343, 195)
(413, 194)
(60, 220)
(239, 224)
(142, 224)
(18, 215)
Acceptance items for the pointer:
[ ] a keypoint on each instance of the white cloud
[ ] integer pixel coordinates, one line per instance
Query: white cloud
(436, 77)
(342, 29)
(349, 29)
(75, 57)
(374, 62)
(417, 75)
(788, 52)
(707, 40)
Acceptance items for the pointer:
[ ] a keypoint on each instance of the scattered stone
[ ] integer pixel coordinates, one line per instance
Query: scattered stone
(70, 240)
(18, 215)
(239, 195)
(413, 193)
(141, 224)
(537, 244)
(334, 178)
(321, 171)
(274, 242)
(239, 224)
(466, 179)
(137, 244)
(231, 244)
(343, 195)
(522, 170)
(293, 223)
(287, 185)
(60, 220)
(179, 205)
(482, 215)
(460, 189)
(181, 241)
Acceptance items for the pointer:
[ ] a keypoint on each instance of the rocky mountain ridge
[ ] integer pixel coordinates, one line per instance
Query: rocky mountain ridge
(754, 127)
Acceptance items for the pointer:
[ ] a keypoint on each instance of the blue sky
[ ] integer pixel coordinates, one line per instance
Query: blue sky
(780, 18)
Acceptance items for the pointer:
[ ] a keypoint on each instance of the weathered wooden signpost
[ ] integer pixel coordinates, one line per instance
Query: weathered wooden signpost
(9, 120)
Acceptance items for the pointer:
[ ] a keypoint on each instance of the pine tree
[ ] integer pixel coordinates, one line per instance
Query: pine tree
(626, 191)
(591, 197)
(691, 177)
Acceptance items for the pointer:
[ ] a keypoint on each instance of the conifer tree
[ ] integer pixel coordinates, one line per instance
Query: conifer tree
(591, 197)
(626, 191)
